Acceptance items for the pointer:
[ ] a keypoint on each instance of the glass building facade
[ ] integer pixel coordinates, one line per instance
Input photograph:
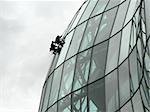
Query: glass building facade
(104, 65)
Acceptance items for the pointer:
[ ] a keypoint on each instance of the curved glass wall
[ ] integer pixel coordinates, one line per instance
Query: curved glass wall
(104, 65)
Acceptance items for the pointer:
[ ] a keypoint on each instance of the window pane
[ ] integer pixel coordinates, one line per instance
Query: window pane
(99, 7)
(53, 108)
(88, 10)
(113, 52)
(113, 3)
(55, 85)
(82, 69)
(55, 58)
(47, 92)
(106, 25)
(133, 69)
(42, 99)
(64, 49)
(64, 105)
(98, 61)
(124, 50)
(111, 91)
(120, 17)
(67, 77)
(90, 33)
(137, 103)
(131, 10)
(96, 96)
(127, 107)
(79, 100)
(124, 83)
(76, 40)
(79, 16)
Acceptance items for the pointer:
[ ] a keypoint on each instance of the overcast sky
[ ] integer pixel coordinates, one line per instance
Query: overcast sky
(26, 30)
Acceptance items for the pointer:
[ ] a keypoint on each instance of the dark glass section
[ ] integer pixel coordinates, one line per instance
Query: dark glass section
(98, 61)
(96, 96)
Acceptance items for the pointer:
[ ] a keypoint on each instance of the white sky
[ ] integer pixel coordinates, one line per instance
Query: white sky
(26, 30)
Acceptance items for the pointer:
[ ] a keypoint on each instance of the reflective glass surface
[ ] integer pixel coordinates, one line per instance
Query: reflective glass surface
(104, 65)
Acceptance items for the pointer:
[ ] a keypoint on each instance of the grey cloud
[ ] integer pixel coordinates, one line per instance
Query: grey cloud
(54, 8)
(24, 50)
(9, 26)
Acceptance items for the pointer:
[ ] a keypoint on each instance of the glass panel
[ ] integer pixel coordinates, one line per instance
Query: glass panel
(124, 50)
(120, 17)
(64, 105)
(53, 108)
(53, 63)
(137, 103)
(82, 69)
(76, 40)
(42, 98)
(124, 83)
(90, 33)
(113, 52)
(88, 10)
(147, 61)
(145, 89)
(131, 10)
(55, 85)
(79, 100)
(64, 49)
(139, 48)
(106, 25)
(100, 6)
(147, 2)
(127, 108)
(47, 92)
(70, 25)
(144, 99)
(98, 61)
(113, 3)
(111, 91)
(133, 37)
(96, 96)
(133, 69)
(79, 15)
(67, 77)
